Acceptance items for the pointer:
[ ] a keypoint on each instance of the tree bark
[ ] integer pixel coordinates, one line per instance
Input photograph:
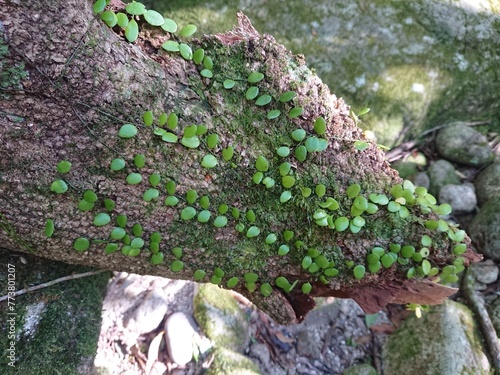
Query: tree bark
(85, 81)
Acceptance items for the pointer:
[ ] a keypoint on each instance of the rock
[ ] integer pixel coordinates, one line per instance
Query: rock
(410, 165)
(441, 173)
(462, 144)
(488, 183)
(420, 179)
(486, 272)
(494, 313)
(309, 343)
(180, 332)
(443, 341)
(220, 318)
(228, 362)
(462, 198)
(148, 314)
(364, 369)
(484, 229)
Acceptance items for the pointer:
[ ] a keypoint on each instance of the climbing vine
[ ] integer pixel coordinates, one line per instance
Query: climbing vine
(326, 206)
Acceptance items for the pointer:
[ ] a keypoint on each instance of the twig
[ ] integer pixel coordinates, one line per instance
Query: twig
(487, 328)
(49, 283)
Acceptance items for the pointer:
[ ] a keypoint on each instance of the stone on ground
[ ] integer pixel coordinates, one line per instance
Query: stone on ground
(444, 340)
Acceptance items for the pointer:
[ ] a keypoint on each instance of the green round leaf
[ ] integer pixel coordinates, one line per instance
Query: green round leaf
(287, 181)
(171, 46)
(191, 196)
(341, 223)
(283, 250)
(157, 258)
(139, 160)
(255, 77)
(154, 18)
(283, 151)
(117, 233)
(134, 178)
(150, 195)
(135, 8)
(188, 213)
(295, 112)
(101, 219)
(49, 227)
(261, 164)
(111, 248)
(212, 140)
(232, 282)
(360, 145)
(228, 153)
(298, 135)
(312, 144)
(353, 190)
(204, 202)
(63, 166)
(170, 186)
(185, 51)
(99, 6)
(148, 118)
(198, 56)
(306, 288)
(359, 271)
(285, 168)
(177, 266)
(206, 73)
(287, 96)
(228, 84)
(117, 164)
(169, 25)
(187, 30)
(271, 238)
(320, 126)
(154, 179)
(253, 231)
(268, 182)
(109, 18)
(191, 142)
(209, 161)
(81, 244)
(199, 275)
(301, 153)
(90, 196)
(320, 190)
(257, 177)
(132, 31)
(266, 289)
(220, 221)
(59, 187)
(204, 216)
(263, 100)
(208, 63)
(171, 200)
(273, 114)
(285, 196)
(252, 93)
(127, 131)
(169, 137)
(121, 20)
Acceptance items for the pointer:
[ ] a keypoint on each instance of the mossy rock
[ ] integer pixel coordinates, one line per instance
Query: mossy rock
(220, 318)
(57, 328)
(228, 362)
(484, 228)
(443, 341)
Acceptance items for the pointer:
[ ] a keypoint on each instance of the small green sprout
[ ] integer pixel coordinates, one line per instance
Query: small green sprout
(287, 181)
(157, 258)
(306, 288)
(127, 131)
(185, 51)
(283, 250)
(232, 282)
(285, 168)
(263, 100)
(261, 164)
(295, 112)
(252, 93)
(208, 63)
(117, 164)
(117, 233)
(204, 216)
(63, 166)
(220, 221)
(227, 153)
(198, 56)
(257, 177)
(111, 248)
(151, 194)
(320, 126)
(171, 201)
(228, 84)
(285, 196)
(283, 151)
(170, 46)
(139, 160)
(204, 202)
(206, 73)
(272, 114)
(301, 153)
(266, 289)
(298, 135)
(271, 238)
(190, 142)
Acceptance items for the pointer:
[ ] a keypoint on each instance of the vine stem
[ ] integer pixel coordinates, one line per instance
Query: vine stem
(50, 283)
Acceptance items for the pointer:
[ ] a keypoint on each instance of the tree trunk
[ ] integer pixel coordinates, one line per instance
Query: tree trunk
(85, 81)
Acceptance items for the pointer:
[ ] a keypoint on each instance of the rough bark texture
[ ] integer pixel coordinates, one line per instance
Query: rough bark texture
(85, 81)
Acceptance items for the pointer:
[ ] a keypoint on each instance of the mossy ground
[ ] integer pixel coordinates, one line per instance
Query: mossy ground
(65, 341)
(407, 61)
